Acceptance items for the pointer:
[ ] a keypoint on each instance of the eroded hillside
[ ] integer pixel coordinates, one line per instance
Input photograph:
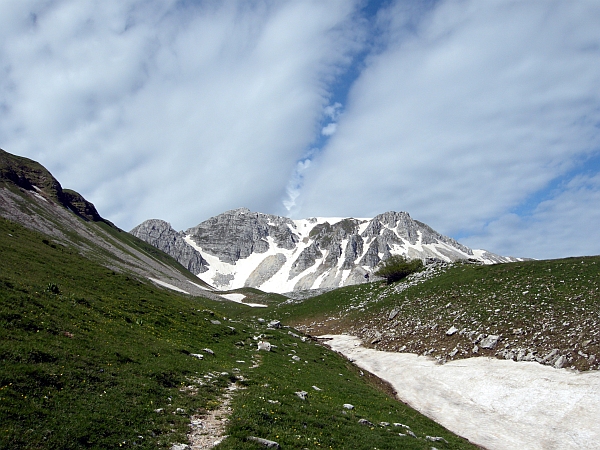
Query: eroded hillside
(544, 311)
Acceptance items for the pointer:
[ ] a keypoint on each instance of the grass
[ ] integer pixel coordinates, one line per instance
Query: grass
(535, 306)
(92, 358)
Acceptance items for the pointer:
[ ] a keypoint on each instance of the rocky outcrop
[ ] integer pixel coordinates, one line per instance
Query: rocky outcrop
(238, 233)
(308, 257)
(35, 178)
(161, 235)
(265, 270)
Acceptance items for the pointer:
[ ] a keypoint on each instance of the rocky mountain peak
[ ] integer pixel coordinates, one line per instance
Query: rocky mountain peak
(244, 248)
(161, 235)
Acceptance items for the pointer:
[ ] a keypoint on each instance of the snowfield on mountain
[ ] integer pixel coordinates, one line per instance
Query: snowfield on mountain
(240, 248)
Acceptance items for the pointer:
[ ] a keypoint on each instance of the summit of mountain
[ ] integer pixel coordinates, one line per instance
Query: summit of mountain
(241, 248)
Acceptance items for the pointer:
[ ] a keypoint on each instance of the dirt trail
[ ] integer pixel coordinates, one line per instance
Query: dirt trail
(207, 429)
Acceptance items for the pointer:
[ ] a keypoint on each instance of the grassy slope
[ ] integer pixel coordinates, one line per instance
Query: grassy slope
(536, 306)
(87, 356)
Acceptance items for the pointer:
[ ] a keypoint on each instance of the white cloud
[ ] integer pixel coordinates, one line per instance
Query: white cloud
(333, 111)
(565, 225)
(294, 186)
(463, 111)
(470, 113)
(170, 110)
(329, 129)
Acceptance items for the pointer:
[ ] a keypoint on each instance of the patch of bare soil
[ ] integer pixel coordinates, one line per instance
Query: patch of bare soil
(207, 429)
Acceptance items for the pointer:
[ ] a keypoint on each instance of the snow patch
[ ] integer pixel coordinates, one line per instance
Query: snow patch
(234, 297)
(167, 285)
(237, 298)
(497, 404)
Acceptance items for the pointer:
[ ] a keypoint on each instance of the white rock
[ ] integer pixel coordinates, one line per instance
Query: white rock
(560, 362)
(452, 330)
(301, 394)
(489, 342)
(348, 406)
(264, 345)
(274, 324)
(180, 447)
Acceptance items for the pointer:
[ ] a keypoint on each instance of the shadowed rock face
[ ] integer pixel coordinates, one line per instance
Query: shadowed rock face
(238, 233)
(161, 235)
(33, 177)
(305, 254)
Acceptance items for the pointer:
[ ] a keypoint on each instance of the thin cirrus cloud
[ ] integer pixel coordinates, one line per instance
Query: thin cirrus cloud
(481, 119)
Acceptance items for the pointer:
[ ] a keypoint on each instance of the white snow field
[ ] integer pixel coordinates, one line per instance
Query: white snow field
(497, 404)
(237, 298)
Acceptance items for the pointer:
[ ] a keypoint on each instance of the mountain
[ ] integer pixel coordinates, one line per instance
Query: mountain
(32, 197)
(240, 248)
(95, 356)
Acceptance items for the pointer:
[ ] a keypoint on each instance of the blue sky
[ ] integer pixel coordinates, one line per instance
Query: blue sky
(481, 119)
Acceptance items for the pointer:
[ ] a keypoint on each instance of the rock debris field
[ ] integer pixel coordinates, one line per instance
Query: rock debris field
(539, 316)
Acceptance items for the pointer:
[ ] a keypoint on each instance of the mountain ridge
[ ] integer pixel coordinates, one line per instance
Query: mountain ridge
(31, 196)
(241, 248)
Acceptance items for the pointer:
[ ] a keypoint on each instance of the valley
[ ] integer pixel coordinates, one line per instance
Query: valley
(109, 342)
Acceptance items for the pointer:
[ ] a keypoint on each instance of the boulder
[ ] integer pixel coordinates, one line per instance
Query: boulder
(263, 345)
(451, 331)
(489, 342)
(274, 324)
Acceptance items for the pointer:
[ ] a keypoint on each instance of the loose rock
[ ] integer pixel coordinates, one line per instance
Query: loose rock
(274, 324)
(489, 342)
(436, 439)
(452, 330)
(301, 394)
(180, 447)
(263, 345)
(267, 443)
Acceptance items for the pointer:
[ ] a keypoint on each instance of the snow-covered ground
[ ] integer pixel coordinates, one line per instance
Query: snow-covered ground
(167, 285)
(494, 403)
(237, 298)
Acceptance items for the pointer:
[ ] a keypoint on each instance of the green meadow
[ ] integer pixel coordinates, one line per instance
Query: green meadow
(93, 358)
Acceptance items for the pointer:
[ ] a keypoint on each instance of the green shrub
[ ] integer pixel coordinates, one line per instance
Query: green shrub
(397, 267)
